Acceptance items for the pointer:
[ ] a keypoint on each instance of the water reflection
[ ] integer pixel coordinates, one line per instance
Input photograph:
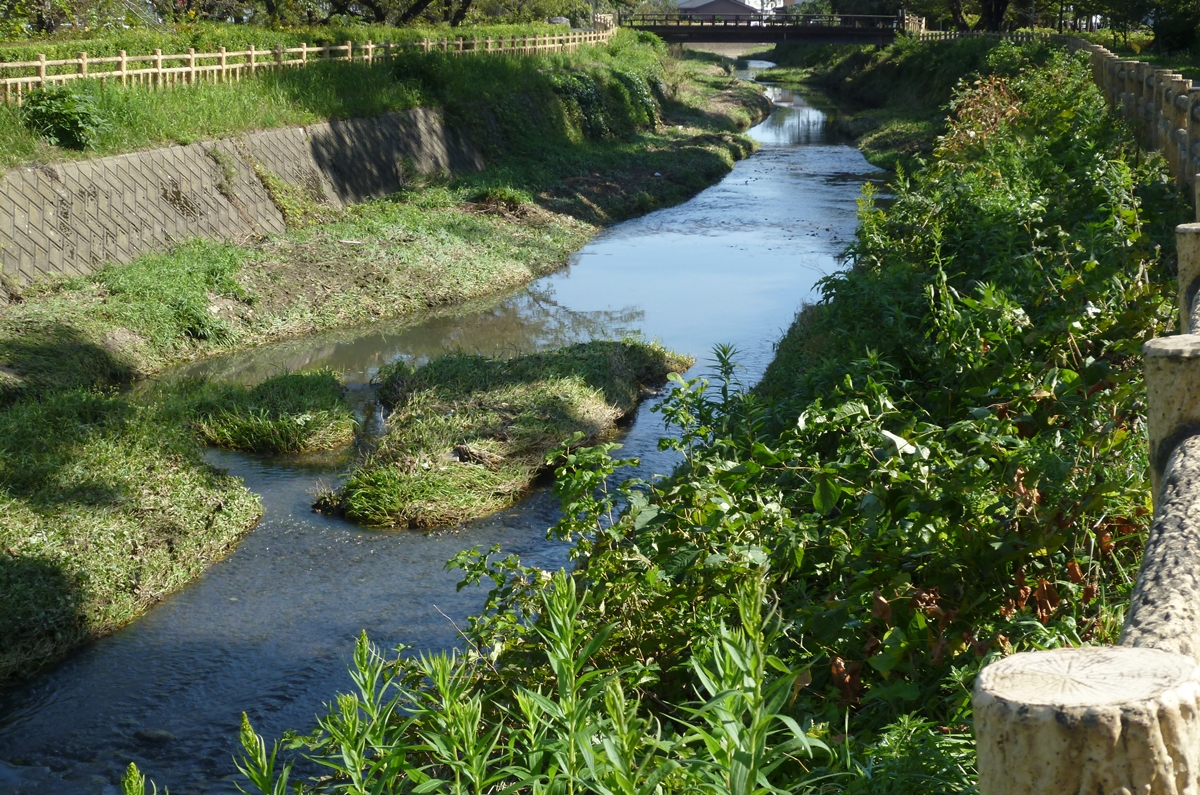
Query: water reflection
(531, 320)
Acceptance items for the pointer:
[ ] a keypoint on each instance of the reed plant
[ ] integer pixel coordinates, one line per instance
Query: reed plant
(429, 723)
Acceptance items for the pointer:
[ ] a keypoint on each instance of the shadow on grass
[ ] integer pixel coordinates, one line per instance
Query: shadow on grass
(39, 439)
(40, 612)
(57, 356)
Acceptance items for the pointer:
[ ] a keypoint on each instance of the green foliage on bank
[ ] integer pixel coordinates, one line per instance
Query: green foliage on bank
(468, 434)
(944, 464)
(894, 99)
(523, 99)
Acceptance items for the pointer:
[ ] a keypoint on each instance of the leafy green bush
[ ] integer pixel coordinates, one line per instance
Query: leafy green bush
(63, 115)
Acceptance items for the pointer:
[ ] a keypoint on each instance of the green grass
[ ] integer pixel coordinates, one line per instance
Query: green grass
(209, 36)
(289, 413)
(469, 434)
(105, 506)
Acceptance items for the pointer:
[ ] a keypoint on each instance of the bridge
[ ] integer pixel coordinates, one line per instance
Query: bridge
(782, 26)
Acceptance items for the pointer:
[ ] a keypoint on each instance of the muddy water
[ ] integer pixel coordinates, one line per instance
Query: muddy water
(269, 629)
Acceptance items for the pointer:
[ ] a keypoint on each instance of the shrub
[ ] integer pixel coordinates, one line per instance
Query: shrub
(63, 116)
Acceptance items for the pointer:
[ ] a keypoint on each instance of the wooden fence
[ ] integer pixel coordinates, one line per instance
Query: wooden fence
(159, 70)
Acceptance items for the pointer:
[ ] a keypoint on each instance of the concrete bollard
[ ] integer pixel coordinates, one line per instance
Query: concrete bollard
(1172, 384)
(1187, 250)
(1089, 721)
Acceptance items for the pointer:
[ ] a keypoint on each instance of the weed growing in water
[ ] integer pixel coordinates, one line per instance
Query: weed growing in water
(290, 413)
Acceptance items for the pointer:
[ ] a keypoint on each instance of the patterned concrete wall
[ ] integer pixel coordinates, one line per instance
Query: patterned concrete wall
(72, 218)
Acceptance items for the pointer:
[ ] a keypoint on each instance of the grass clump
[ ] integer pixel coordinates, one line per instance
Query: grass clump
(106, 505)
(469, 434)
(289, 413)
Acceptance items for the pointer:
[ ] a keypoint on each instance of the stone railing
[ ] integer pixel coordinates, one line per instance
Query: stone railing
(179, 69)
(1126, 719)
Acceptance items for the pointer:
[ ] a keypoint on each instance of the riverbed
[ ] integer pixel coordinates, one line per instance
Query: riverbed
(269, 630)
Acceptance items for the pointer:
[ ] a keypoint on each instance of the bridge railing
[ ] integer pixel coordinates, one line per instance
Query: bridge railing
(841, 21)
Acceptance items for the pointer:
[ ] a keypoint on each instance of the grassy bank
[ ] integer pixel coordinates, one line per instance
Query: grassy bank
(944, 464)
(894, 99)
(108, 508)
(105, 506)
(468, 435)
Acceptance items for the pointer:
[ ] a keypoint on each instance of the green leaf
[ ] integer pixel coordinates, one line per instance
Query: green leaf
(826, 493)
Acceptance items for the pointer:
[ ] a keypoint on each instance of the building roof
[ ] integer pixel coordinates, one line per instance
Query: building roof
(698, 5)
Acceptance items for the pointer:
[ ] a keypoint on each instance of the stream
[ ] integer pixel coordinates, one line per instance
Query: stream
(270, 629)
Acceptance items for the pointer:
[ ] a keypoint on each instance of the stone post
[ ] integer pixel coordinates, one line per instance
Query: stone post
(1089, 721)
(1172, 383)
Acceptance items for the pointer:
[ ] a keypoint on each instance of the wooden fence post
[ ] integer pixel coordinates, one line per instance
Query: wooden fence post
(83, 64)
(304, 53)
(158, 68)
(278, 56)
(191, 62)
(123, 63)
(425, 45)
(370, 47)
(350, 51)
(460, 45)
(253, 60)
(41, 70)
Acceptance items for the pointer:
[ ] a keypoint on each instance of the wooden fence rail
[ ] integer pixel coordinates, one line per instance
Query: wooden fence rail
(159, 70)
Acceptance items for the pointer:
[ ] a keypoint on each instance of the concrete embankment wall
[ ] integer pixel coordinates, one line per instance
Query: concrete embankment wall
(72, 218)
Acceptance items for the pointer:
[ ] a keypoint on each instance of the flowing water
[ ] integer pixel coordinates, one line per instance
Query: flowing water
(269, 630)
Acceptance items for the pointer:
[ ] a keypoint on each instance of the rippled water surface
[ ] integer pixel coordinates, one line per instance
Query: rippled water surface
(269, 630)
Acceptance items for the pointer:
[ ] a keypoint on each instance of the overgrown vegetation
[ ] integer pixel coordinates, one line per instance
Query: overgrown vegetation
(469, 434)
(107, 501)
(894, 99)
(944, 464)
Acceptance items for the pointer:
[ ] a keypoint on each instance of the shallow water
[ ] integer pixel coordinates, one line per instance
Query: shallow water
(269, 630)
